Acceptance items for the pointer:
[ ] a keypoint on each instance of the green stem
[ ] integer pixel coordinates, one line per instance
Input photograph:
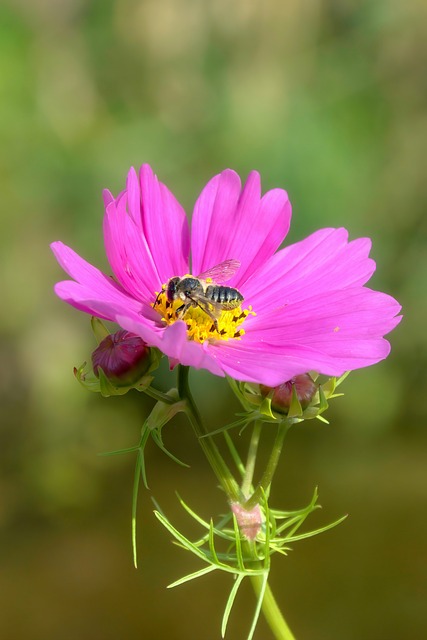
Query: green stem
(159, 395)
(268, 474)
(271, 611)
(209, 447)
(251, 460)
(270, 608)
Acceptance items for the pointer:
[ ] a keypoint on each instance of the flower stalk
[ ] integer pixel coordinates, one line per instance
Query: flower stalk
(271, 467)
(271, 611)
(266, 600)
(251, 459)
(209, 447)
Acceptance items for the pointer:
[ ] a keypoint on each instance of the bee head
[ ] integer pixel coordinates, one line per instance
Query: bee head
(171, 291)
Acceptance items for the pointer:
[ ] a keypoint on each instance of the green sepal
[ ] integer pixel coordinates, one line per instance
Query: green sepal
(323, 403)
(295, 409)
(259, 407)
(265, 408)
(163, 412)
(104, 386)
(99, 329)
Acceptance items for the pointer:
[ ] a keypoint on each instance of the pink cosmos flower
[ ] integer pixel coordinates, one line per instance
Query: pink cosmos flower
(305, 307)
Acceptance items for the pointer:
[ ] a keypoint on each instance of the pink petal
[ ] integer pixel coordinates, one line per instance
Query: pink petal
(212, 212)
(128, 252)
(164, 223)
(242, 226)
(102, 305)
(85, 273)
(260, 362)
(347, 327)
(108, 197)
(322, 262)
(91, 286)
(173, 342)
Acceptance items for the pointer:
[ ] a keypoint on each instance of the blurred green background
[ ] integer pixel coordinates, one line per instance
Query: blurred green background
(326, 99)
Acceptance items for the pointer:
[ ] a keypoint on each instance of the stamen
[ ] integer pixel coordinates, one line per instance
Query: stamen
(199, 325)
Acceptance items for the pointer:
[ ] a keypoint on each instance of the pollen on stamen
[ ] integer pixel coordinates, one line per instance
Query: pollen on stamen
(199, 325)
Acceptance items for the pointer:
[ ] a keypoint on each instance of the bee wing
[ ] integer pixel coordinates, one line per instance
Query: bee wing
(213, 309)
(221, 272)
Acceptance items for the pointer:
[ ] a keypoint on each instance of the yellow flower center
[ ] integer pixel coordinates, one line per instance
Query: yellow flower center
(200, 326)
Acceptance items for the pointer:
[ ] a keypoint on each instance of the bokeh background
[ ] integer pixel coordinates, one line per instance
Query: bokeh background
(326, 99)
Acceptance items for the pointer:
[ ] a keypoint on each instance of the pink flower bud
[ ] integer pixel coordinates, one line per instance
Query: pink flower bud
(123, 357)
(305, 389)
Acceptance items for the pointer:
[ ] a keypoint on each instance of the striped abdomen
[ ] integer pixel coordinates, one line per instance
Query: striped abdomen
(227, 297)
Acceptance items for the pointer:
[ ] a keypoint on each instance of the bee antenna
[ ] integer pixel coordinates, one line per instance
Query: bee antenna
(157, 297)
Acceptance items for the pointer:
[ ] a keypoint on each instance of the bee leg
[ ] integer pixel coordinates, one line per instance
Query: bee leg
(180, 312)
(206, 309)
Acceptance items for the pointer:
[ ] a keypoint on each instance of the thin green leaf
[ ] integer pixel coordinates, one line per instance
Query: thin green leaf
(155, 433)
(276, 549)
(238, 423)
(192, 513)
(267, 532)
(119, 452)
(239, 556)
(192, 576)
(225, 534)
(230, 602)
(134, 507)
(181, 539)
(292, 522)
(144, 438)
(284, 515)
(212, 544)
(234, 454)
(218, 530)
(258, 606)
(315, 532)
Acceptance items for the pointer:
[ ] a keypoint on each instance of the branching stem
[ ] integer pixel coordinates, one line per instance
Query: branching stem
(209, 447)
(268, 474)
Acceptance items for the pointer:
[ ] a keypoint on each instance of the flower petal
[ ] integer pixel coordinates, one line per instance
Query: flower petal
(173, 342)
(85, 273)
(164, 223)
(260, 362)
(90, 286)
(86, 299)
(346, 327)
(312, 309)
(242, 226)
(128, 252)
(323, 262)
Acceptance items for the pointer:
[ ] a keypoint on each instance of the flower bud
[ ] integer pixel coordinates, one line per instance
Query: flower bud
(123, 357)
(281, 398)
(250, 522)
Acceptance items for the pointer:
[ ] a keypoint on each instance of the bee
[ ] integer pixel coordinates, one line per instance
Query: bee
(205, 291)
